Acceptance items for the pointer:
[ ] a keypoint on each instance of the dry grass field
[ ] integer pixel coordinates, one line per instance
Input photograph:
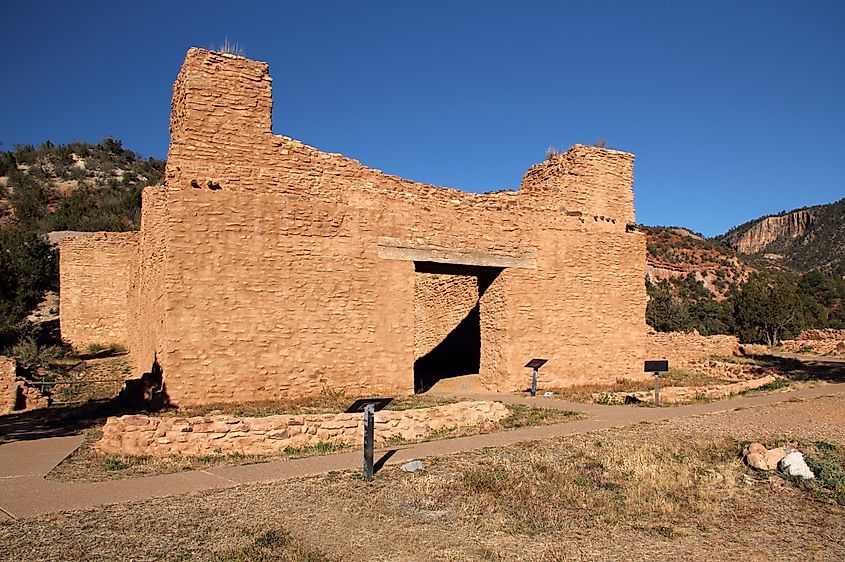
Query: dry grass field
(674, 490)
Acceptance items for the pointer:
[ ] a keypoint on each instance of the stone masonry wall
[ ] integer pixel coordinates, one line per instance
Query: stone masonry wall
(684, 349)
(94, 277)
(147, 298)
(268, 268)
(220, 434)
(8, 384)
(441, 301)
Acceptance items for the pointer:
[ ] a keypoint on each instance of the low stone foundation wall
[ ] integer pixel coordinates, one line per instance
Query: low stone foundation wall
(684, 394)
(222, 434)
(683, 349)
(8, 385)
(826, 342)
(16, 394)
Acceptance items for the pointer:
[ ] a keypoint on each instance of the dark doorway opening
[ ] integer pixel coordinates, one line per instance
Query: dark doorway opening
(448, 339)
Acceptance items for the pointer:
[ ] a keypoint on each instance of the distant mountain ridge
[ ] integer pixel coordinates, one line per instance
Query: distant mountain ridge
(805, 239)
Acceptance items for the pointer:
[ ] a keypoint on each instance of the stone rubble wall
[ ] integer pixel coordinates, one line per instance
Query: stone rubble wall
(94, 275)
(223, 434)
(685, 349)
(16, 394)
(8, 384)
(826, 341)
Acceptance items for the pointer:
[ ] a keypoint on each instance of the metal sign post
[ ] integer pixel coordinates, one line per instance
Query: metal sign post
(656, 367)
(535, 364)
(369, 406)
(657, 389)
(369, 421)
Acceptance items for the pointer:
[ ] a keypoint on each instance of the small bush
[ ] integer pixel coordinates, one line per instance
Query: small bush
(30, 354)
(113, 463)
(551, 152)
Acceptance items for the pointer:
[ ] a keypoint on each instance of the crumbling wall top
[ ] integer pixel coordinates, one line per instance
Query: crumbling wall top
(221, 138)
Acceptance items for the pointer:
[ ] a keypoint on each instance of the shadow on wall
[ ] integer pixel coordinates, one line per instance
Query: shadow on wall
(148, 391)
(459, 353)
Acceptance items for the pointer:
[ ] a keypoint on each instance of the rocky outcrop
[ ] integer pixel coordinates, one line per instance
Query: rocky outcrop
(766, 232)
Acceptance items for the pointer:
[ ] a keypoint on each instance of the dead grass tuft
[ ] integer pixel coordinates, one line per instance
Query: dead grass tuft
(329, 401)
(270, 546)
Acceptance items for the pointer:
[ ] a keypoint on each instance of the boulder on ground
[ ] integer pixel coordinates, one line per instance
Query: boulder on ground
(773, 457)
(757, 456)
(794, 464)
(757, 460)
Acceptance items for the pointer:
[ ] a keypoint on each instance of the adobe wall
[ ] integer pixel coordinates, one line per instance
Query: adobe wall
(94, 276)
(268, 268)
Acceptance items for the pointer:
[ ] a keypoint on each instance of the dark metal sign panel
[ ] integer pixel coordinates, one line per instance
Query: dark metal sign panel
(660, 366)
(536, 363)
(359, 405)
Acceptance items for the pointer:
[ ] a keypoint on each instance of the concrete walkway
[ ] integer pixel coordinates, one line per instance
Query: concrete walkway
(24, 492)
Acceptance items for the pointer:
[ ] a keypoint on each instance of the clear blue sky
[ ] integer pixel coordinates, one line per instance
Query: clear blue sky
(734, 109)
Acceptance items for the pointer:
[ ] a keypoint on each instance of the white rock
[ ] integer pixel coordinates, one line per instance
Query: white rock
(412, 466)
(548, 394)
(794, 465)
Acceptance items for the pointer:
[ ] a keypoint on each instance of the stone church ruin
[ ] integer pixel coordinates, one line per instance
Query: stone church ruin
(265, 268)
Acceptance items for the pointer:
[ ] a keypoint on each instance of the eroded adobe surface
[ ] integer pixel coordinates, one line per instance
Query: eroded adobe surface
(266, 268)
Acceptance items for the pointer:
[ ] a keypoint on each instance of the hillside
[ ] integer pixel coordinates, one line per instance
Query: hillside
(77, 186)
(676, 254)
(806, 239)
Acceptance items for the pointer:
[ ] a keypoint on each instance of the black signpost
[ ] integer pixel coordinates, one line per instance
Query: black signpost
(656, 367)
(535, 364)
(369, 406)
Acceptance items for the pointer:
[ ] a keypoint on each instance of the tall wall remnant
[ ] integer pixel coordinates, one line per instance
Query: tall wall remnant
(266, 268)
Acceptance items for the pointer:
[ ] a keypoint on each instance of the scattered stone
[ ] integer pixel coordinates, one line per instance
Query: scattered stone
(794, 464)
(412, 466)
(548, 394)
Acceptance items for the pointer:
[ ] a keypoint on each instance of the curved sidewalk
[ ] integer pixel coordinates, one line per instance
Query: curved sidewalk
(25, 492)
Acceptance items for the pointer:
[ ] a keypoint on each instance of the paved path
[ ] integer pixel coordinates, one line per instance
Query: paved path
(24, 491)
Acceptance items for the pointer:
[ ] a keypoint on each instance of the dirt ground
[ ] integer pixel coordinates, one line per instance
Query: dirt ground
(674, 490)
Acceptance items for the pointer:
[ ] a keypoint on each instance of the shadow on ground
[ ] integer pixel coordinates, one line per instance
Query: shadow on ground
(806, 368)
(58, 421)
